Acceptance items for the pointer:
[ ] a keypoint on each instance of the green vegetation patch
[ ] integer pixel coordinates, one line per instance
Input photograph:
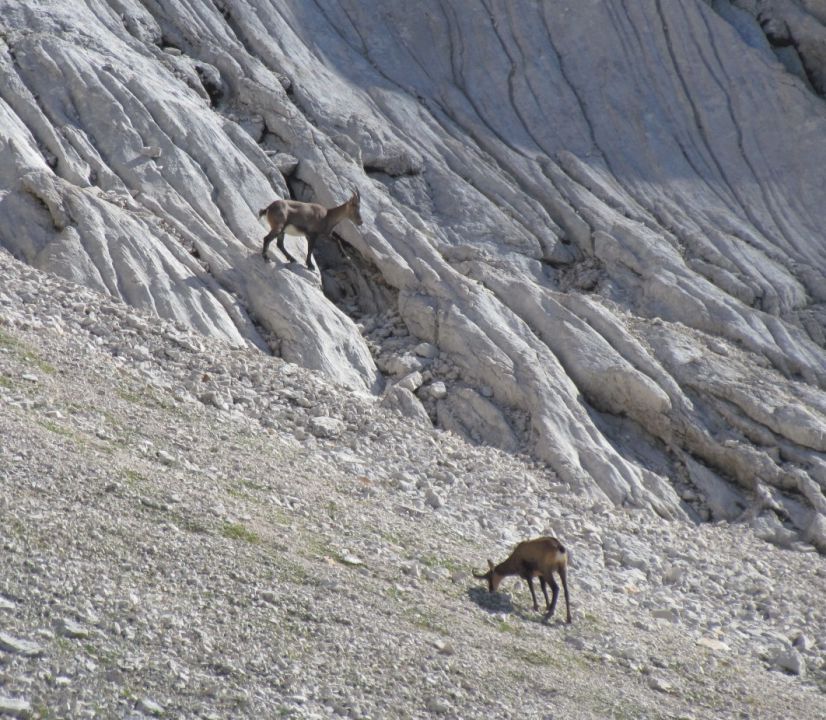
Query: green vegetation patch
(506, 627)
(238, 531)
(191, 525)
(428, 621)
(149, 397)
(449, 564)
(7, 341)
(133, 477)
(537, 658)
(52, 426)
(25, 353)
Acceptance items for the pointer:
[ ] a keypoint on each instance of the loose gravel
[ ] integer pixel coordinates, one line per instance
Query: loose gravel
(189, 530)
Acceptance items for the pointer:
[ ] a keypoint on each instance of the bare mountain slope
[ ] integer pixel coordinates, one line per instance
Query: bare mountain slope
(599, 222)
(189, 530)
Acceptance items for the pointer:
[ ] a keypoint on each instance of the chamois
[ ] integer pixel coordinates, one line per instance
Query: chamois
(308, 219)
(540, 557)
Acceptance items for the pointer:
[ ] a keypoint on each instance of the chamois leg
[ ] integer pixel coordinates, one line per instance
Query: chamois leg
(310, 245)
(267, 240)
(544, 585)
(555, 592)
(280, 244)
(533, 592)
(563, 575)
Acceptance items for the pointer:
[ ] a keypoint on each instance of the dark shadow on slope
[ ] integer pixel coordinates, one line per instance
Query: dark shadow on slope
(349, 279)
(491, 602)
(637, 446)
(352, 281)
(499, 603)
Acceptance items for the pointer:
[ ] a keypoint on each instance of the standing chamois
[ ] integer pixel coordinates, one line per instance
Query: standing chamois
(541, 558)
(308, 219)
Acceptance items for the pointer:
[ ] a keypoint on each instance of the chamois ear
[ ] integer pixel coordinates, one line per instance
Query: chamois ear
(357, 195)
(490, 564)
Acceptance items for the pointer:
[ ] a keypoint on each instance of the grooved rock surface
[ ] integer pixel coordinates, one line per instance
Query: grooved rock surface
(609, 215)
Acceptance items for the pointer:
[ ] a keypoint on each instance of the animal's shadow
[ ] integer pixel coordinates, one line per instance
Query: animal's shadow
(499, 603)
(493, 603)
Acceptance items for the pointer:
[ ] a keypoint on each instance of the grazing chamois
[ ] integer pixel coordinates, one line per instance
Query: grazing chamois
(541, 558)
(308, 219)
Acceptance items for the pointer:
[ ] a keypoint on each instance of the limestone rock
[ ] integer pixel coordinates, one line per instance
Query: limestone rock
(437, 390)
(15, 707)
(789, 660)
(326, 427)
(405, 402)
(471, 415)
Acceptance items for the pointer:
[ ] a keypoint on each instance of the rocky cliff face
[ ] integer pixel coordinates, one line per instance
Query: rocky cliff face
(592, 231)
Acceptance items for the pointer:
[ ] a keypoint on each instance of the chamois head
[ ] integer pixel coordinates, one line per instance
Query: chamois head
(491, 576)
(354, 207)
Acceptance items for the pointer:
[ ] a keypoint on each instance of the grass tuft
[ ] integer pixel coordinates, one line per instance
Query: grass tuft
(25, 353)
(238, 531)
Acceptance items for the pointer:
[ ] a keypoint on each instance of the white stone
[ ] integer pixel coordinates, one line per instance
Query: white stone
(15, 707)
(433, 499)
(150, 707)
(438, 706)
(411, 382)
(713, 644)
(18, 646)
(326, 427)
(630, 559)
(437, 390)
(660, 685)
(426, 350)
(802, 643)
(71, 629)
(673, 575)
(789, 660)
(468, 413)
(405, 402)
(404, 365)
(670, 614)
